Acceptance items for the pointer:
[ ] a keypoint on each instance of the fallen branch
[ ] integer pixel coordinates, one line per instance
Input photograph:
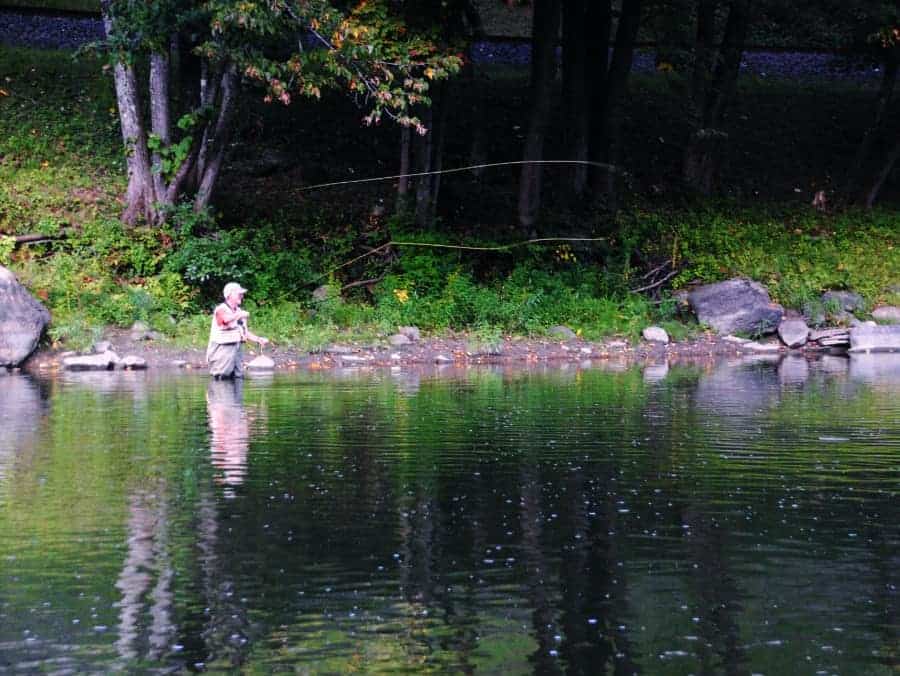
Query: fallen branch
(35, 238)
(657, 283)
(362, 282)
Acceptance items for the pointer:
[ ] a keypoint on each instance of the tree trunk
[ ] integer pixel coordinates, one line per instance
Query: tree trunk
(403, 182)
(704, 61)
(139, 197)
(712, 91)
(863, 153)
(881, 178)
(575, 88)
(217, 143)
(160, 116)
(610, 121)
(545, 33)
(424, 146)
(599, 14)
(729, 64)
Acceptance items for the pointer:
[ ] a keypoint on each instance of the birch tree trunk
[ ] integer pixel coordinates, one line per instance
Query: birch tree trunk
(160, 115)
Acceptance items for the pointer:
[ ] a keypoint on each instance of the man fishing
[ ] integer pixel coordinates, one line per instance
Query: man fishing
(227, 334)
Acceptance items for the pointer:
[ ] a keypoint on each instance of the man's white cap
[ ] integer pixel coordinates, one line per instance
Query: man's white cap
(233, 287)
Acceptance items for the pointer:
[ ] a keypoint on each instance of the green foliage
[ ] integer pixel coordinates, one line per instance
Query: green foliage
(796, 252)
(259, 258)
(7, 244)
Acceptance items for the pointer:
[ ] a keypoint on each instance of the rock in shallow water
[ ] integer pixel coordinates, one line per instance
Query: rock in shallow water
(793, 332)
(22, 320)
(134, 363)
(92, 362)
(875, 338)
(262, 363)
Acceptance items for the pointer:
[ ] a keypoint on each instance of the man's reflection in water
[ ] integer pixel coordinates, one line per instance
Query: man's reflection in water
(230, 432)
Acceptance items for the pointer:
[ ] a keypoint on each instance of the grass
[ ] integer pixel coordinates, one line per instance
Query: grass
(61, 171)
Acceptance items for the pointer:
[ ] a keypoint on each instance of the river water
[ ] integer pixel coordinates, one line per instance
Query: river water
(730, 518)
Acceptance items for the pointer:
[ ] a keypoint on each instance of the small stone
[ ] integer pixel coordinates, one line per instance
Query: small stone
(586, 350)
(887, 314)
(616, 344)
(339, 349)
(262, 363)
(736, 339)
(139, 327)
(399, 340)
(396, 356)
(353, 358)
(102, 346)
(562, 332)
(656, 334)
(411, 332)
(134, 363)
(793, 332)
(442, 359)
(179, 363)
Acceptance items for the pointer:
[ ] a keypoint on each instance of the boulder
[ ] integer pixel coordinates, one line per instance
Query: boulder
(22, 320)
(411, 332)
(842, 300)
(656, 334)
(736, 305)
(262, 363)
(102, 346)
(133, 363)
(562, 332)
(875, 338)
(399, 340)
(92, 362)
(793, 332)
(887, 314)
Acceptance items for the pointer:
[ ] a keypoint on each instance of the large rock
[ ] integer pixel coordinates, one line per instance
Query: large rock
(22, 320)
(92, 362)
(736, 306)
(875, 338)
(793, 332)
(887, 314)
